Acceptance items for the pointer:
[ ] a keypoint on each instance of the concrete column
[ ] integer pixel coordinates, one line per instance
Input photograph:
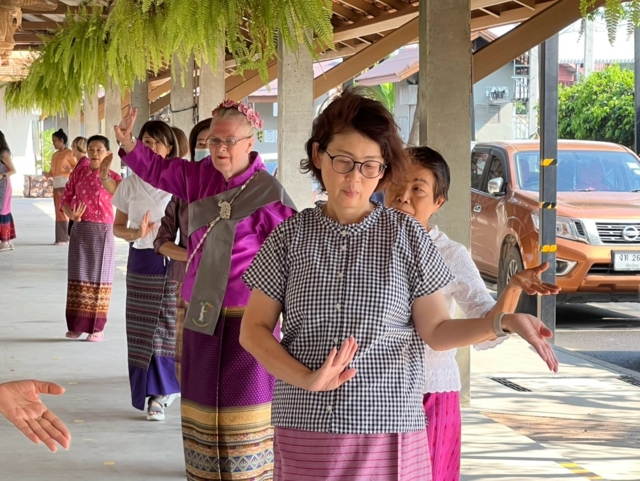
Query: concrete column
(183, 95)
(295, 116)
(445, 115)
(91, 120)
(140, 100)
(212, 89)
(589, 34)
(112, 116)
(75, 124)
(534, 89)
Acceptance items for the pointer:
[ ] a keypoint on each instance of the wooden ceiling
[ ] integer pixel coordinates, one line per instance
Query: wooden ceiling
(365, 31)
(357, 23)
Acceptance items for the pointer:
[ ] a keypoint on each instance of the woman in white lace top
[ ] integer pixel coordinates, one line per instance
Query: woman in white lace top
(421, 195)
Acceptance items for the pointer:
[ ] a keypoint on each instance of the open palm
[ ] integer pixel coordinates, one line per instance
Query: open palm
(20, 403)
(529, 281)
(334, 372)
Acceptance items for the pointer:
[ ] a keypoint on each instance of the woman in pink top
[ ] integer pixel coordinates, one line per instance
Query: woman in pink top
(92, 245)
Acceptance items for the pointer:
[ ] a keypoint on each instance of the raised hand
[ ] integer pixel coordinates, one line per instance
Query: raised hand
(78, 211)
(529, 281)
(145, 225)
(334, 372)
(532, 330)
(105, 166)
(125, 129)
(20, 403)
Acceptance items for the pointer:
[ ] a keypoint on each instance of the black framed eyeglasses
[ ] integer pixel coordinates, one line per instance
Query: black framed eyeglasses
(344, 164)
(216, 142)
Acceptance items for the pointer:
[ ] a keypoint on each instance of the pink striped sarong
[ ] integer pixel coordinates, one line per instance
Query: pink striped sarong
(444, 426)
(313, 456)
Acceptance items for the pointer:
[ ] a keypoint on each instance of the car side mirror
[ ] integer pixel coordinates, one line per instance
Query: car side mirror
(495, 186)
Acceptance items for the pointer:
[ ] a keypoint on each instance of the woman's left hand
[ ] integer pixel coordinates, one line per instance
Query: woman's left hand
(105, 167)
(532, 330)
(529, 281)
(20, 403)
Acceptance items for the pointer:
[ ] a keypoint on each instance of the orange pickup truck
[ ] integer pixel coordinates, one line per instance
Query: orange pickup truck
(598, 225)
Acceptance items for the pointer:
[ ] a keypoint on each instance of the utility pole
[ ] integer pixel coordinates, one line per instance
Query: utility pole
(548, 174)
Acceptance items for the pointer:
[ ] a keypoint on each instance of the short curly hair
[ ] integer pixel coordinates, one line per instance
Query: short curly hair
(354, 111)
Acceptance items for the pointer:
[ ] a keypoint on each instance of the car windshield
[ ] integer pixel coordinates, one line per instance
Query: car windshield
(583, 171)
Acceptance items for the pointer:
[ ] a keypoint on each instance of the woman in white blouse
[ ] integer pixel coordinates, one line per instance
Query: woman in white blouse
(420, 194)
(150, 310)
(357, 285)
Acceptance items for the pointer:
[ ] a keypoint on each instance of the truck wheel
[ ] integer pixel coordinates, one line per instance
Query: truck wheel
(511, 265)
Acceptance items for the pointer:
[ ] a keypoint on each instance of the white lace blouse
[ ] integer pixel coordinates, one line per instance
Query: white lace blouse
(468, 292)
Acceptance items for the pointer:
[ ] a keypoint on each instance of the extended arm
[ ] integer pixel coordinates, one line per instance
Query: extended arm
(441, 333)
(256, 336)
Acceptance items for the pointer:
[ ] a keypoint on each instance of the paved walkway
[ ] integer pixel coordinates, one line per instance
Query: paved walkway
(583, 423)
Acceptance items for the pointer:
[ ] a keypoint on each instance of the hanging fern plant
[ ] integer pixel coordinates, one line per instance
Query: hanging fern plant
(615, 12)
(69, 63)
(139, 36)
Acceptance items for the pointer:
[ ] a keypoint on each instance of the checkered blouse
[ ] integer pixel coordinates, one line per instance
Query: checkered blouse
(335, 281)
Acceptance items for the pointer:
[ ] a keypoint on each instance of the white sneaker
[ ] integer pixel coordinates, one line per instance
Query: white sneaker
(5, 246)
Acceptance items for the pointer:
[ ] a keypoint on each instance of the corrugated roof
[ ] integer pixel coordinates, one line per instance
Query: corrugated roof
(319, 68)
(394, 69)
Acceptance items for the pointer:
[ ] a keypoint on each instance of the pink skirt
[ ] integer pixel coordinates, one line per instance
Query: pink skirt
(444, 430)
(312, 456)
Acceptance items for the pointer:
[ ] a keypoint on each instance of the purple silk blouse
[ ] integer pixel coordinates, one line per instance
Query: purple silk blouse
(193, 181)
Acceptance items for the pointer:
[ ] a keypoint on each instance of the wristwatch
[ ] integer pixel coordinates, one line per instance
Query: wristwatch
(133, 141)
(497, 325)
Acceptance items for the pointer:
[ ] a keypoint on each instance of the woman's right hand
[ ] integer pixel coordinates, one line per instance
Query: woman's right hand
(105, 167)
(334, 372)
(145, 226)
(78, 211)
(124, 131)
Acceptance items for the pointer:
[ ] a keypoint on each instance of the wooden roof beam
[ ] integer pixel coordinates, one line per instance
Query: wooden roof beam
(395, 4)
(523, 38)
(365, 7)
(367, 27)
(490, 12)
(365, 58)
(508, 17)
(238, 87)
(531, 4)
(46, 25)
(346, 13)
(159, 104)
(60, 10)
(480, 4)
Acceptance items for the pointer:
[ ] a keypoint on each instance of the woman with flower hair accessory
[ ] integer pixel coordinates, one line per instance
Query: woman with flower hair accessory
(234, 204)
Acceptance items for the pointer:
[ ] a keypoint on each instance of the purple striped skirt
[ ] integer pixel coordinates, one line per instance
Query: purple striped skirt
(313, 456)
(444, 430)
(91, 264)
(151, 327)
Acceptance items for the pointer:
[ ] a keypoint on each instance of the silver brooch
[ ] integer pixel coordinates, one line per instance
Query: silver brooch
(225, 210)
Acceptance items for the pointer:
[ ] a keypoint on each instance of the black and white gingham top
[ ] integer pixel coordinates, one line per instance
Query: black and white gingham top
(335, 281)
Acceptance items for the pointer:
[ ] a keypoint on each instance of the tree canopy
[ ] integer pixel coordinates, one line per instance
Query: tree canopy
(599, 108)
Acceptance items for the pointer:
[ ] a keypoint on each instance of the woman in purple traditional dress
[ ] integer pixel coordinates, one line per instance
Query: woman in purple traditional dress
(150, 311)
(7, 227)
(234, 204)
(172, 238)
(92, 248)
(357, 285)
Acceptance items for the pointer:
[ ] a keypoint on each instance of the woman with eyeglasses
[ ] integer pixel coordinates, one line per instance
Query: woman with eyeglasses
(150, 317)
(357, 285)
(172, 238)
(234, 204)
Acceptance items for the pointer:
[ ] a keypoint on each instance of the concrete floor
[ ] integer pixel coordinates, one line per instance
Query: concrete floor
(111, 439)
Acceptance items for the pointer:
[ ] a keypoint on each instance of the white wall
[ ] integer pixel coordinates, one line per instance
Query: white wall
(17, 128)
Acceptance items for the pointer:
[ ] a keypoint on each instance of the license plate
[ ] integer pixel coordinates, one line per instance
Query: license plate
(626, 261)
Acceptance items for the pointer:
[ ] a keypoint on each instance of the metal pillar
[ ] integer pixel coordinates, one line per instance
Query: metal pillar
(637, 88)
(548, 173)
(589, 34)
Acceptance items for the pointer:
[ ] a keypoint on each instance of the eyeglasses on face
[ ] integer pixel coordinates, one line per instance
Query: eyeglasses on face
(344, 164)
(216, 142)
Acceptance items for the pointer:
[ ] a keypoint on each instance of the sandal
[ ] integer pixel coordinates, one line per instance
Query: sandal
(96, 337)
(155, 409)
(73, 334)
